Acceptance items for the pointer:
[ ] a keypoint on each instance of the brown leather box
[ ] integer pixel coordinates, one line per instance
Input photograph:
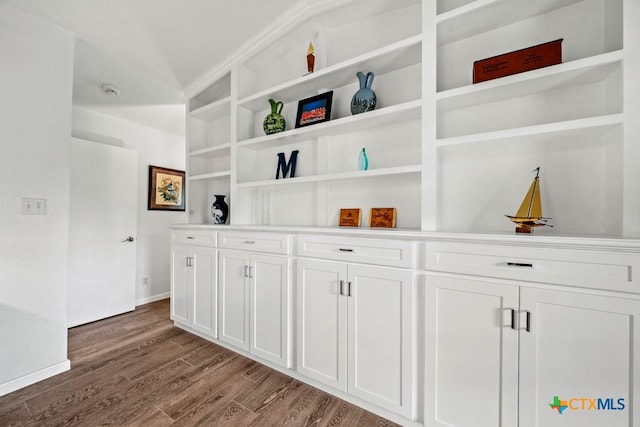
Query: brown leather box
(518, 61)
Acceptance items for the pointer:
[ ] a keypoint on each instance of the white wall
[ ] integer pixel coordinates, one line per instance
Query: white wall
(35, 126)
(157, 148)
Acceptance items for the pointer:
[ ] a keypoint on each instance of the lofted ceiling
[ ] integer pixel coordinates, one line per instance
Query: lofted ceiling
(151, 49)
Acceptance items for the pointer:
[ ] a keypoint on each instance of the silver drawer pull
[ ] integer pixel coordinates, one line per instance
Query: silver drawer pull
(345, 250)
(249, 242)
(520, 264)
(190, 237)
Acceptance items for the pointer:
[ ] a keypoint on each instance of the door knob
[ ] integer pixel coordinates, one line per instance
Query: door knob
(128, 239)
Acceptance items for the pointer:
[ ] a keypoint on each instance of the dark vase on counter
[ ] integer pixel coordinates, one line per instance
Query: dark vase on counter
(219, 209)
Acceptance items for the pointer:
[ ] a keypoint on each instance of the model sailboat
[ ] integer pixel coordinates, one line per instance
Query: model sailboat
(530, 213)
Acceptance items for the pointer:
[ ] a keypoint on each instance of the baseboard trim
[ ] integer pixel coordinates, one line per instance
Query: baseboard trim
(34, 377)
(152, 298)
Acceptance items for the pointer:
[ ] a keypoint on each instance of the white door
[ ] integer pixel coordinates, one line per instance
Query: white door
(204, 275)
(322, 317)
(233, 311)
(380, 336)
(181, 262)
(471, 352)
(270, 308)
(102, 231)
(579, 360)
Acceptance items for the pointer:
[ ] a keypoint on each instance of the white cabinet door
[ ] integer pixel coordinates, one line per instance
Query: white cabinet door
(193, 287)
(321, 319)
(580, 352)
(233, 283)
(180, 284)
(270, 308)
(204, 278)
(471, 353)
(380, 336)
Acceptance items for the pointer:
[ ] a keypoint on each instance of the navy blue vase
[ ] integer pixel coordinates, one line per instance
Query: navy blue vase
(365, 98)
(219, 209)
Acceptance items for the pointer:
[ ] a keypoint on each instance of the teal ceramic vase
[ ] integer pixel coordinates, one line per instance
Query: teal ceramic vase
(363, 160)
(274, 122)
(365, 98)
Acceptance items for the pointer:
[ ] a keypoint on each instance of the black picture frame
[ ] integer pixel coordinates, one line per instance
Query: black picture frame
(167, 189)
(316, 109)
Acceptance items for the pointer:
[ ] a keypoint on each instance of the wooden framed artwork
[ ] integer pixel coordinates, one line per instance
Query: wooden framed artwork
(316, 109)
(166, 189)
(350, 217)
(382, 217)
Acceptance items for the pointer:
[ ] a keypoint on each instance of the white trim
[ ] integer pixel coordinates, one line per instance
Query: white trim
(152, 298)
(34, 377)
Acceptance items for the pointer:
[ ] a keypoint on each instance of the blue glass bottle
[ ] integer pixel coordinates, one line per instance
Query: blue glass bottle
(363, 160)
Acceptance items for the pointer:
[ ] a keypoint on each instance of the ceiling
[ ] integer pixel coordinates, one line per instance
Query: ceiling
(151, 49)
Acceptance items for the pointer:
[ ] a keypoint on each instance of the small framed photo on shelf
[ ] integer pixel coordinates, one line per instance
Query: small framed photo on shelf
(316, 109)
(350, 217)
(382, 217)
(166, 189)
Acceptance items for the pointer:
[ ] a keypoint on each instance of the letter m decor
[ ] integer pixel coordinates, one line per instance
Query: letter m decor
(285, 166)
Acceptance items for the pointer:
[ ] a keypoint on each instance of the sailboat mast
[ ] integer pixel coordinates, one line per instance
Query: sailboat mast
(535, 189)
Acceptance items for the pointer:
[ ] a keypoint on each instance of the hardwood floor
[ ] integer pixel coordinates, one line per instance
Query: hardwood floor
(137, 369)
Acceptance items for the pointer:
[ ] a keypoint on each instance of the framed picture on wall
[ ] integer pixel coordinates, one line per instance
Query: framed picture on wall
(167, 188)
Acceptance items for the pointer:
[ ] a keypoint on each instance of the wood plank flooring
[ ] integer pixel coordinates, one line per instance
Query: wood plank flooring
(137, 369)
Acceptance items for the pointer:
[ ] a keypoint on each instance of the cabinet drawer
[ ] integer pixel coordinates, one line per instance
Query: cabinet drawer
(573, 267)
(394, 253)
(256, 242)
(194, 237)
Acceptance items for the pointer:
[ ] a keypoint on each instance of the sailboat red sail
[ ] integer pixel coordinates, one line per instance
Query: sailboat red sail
(529, 214)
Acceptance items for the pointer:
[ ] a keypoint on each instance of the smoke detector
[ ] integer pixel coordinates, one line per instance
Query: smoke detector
(110, 90)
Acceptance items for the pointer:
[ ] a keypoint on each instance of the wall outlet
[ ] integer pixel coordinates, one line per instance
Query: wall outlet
(34, 206)
(145, 281)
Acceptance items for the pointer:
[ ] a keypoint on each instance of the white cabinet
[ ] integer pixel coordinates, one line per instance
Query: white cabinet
(508, 348)
(193, 287)
(255, 297)
(356, 331)
(471, 353)
(583, 348)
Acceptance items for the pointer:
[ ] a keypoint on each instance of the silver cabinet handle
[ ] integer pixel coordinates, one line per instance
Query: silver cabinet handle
(528, 324)
(341, 287)
(348, 289)
(250, 272)
(246, 271)
(345, 250)
(189, 261)
(190, 237)
(513, 319)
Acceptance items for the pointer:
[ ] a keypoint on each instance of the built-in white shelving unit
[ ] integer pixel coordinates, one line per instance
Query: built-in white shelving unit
(230, 154)
(450, 155)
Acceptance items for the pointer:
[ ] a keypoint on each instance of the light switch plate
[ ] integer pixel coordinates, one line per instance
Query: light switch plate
(34, 206)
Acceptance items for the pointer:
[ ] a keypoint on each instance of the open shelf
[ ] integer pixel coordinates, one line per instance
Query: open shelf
(484, 15)
(588, 126)
(210, 152)
(393, 57)
(210, 176)
(217, 109)
(273, 183)
(405, 112)
(575, 73)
